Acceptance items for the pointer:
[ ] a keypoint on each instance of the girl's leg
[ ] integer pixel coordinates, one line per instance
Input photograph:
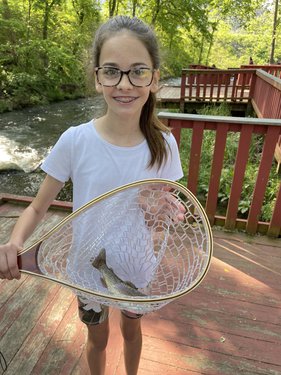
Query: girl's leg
(131, 331)
(96, 347)
(97, 324)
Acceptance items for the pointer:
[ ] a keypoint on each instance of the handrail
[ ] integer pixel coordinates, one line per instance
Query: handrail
(216, 85)
(222, 125)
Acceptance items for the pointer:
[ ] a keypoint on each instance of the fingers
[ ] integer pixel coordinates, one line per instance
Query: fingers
(8, 262)
(157, 203)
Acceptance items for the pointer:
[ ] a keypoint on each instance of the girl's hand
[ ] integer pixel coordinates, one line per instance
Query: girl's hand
(159, 204)
(8, 261)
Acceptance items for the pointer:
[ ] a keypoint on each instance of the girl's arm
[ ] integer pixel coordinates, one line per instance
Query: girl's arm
(25, 225)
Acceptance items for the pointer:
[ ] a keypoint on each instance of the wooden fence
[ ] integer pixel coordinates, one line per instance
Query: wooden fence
(222, 126)
(214, 85)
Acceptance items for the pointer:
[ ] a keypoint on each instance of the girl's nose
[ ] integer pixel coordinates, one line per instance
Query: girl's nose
(124, 82)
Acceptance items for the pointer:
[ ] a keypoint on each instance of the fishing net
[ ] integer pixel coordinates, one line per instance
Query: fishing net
(136, 248)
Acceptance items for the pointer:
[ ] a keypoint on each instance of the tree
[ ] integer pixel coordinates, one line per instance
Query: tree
(275, 23)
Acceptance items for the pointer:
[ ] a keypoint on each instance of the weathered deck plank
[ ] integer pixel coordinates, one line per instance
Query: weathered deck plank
(231, 324)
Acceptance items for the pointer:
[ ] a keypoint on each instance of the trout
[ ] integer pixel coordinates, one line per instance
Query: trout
(111, 281)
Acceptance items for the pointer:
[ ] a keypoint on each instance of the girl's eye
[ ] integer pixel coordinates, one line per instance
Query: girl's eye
(140, 72)
(110, 72)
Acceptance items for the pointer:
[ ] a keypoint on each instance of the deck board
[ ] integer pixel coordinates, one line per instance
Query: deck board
(230, 324)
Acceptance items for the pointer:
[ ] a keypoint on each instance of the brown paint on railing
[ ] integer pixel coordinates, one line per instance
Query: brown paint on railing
(247, 130)
(176, 130)
(275, 223)
(195, 155)
(262, 178)
(182, 92)
(215, 85)
(217, 164)
(238, 177)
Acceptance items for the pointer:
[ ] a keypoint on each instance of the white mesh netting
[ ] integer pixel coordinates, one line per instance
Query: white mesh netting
(136, 249)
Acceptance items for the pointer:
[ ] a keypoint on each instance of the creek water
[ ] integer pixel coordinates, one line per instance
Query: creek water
(26, 137)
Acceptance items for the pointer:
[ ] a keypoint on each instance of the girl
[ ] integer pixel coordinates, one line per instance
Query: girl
(128, 143)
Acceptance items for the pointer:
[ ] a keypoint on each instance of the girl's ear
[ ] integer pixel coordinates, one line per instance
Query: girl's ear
(154, 85)
(98, 86)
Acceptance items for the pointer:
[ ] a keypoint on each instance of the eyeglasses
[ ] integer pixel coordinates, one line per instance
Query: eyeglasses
(109, 76)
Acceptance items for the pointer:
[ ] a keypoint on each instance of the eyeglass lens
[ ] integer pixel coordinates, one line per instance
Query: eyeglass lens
(109, 76)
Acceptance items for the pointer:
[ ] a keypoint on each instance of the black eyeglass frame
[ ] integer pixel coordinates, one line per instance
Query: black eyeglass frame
(126, 72)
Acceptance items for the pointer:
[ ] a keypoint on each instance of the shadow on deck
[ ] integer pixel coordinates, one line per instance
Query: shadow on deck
(229, 325)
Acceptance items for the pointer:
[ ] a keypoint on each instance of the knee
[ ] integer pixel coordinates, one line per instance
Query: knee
(131, 330)
(98, 339)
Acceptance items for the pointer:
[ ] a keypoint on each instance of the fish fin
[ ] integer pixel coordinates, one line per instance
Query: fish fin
(127, 289)
(102, 279)
(130, 285)
(99, 260)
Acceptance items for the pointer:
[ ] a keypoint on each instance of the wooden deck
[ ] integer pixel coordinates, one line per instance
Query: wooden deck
(231, 324)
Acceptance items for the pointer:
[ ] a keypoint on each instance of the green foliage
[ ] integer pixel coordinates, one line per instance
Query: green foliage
(43, 50)
(223, 109)
(50, 40)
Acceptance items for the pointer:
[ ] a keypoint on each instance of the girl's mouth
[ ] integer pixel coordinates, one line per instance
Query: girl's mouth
(125, 99)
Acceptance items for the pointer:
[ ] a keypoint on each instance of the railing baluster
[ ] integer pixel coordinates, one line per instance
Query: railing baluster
(238, 177)
(195, 155)
(262, 178)
(217, 164)
(275, 224)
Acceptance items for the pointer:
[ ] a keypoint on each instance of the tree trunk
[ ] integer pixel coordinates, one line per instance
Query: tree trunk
(214, 28)
(156, 11)
(112, 7)
(274, 33)
(6, 10)
(46, 21)
(201, 51)
(135, 3)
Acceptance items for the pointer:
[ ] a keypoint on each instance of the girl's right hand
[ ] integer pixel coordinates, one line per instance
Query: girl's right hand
(8, 261)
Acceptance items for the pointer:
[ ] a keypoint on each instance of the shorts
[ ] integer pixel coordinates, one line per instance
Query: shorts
(91, 317)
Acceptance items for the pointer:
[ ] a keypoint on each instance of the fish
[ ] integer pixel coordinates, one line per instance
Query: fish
(111, 281)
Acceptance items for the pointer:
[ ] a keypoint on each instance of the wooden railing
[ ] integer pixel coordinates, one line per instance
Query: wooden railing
(266, 101)
(222, 126)
(266, 95)
(273, 69)
(261, 88)
(213, 85)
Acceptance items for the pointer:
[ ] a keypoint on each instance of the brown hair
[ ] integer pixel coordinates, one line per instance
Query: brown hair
(150, 125)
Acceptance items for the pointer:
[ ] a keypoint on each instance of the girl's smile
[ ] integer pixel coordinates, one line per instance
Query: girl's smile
(125, 99)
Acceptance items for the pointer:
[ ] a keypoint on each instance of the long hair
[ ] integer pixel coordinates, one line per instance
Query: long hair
(151, 127)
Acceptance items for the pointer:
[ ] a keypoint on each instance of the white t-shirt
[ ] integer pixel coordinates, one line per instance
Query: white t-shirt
(96, 166)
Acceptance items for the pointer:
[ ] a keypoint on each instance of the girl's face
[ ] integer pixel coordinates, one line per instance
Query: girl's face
(125, 51)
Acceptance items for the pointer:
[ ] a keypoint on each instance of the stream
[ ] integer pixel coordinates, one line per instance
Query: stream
(26, 137)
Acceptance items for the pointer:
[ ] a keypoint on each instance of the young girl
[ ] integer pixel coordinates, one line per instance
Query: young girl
(127, 144)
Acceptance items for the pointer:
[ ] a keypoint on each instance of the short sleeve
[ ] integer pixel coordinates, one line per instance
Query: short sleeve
(58, 163)
(171, 169)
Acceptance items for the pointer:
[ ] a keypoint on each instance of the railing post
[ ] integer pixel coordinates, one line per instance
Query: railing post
(182, 92)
